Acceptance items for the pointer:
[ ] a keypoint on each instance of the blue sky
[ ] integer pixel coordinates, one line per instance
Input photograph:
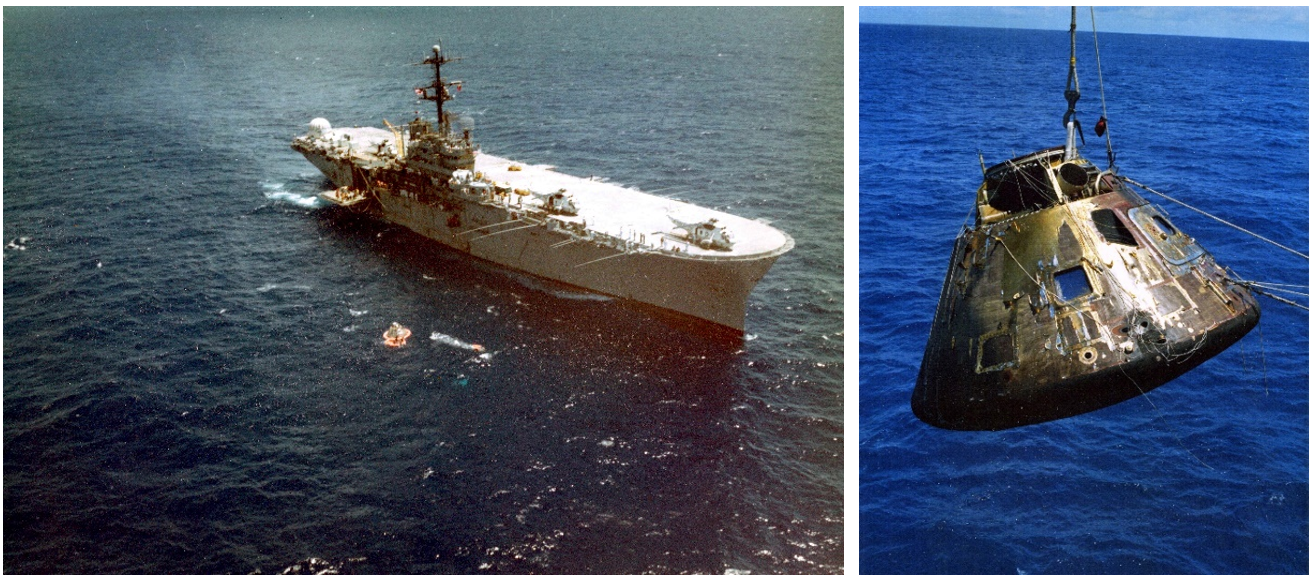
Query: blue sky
(1268, 23)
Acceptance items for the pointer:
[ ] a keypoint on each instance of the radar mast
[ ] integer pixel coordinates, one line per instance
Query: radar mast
(437, 91)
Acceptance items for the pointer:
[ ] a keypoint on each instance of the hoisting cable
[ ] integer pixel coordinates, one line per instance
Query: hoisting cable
(1073, 84)
(1101, 128)
(1269, 241)
(1270, 295)
(1263, 288)
(1274, 286)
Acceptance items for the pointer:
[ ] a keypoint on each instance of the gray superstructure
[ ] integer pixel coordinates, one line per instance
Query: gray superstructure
(610, 239)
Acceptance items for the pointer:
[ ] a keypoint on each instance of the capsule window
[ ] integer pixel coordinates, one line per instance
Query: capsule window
(1111, 227)
(1019, 188)
(996, 351)
(1177, 248)
(1072, 284)
(1164, 225)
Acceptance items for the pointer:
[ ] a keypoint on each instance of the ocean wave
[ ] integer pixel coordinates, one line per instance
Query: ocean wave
(270, 286)
(275, 191)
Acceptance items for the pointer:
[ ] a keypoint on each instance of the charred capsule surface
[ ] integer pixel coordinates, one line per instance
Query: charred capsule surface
(1070, 293)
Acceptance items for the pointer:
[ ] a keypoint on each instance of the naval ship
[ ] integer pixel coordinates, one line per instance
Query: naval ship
(1070, 293)
(618, 241)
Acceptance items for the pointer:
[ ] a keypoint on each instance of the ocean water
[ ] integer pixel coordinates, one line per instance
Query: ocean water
(1206, 474)
(194, 374)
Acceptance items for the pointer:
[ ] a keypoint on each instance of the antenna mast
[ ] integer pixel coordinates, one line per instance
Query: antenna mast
(437, 91)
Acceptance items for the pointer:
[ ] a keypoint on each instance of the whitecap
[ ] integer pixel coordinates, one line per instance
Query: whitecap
(264, 288)
(275, 191)
(303, 201)
(355, 313)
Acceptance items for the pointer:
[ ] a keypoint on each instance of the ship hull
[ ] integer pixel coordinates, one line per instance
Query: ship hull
(711, 288)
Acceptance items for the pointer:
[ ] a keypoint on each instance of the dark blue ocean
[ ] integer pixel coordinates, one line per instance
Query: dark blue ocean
(1206, 474)
(194, 376)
